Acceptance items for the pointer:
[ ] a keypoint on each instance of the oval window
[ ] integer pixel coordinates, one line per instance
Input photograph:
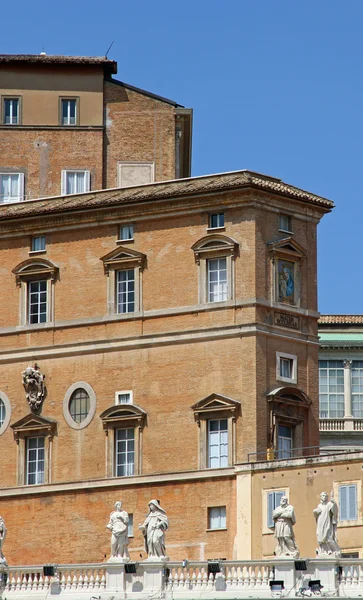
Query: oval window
(2, 413)
(79, 405)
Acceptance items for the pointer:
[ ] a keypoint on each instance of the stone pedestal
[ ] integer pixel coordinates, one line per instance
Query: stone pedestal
(285, 571)
(325, 570)
(115, 577)
(154, 576)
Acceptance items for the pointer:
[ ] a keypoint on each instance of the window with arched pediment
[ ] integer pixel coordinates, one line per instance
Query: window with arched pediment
(124, 267)
(215, 255)
(36, 279)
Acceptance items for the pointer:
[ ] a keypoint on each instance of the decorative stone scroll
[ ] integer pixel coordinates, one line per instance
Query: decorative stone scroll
(33, 382)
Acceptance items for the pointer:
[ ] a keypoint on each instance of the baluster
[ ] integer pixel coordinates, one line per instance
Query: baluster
(41, 583)
(240, 577)
(253, 578)
(91, 582)
(199, 580)
(205, 579)
(74, 581)
(62, 580)
(181, 580)
(349, 578)
(355, 575)
(46, 583)
(360, 577)
(85, 582)
(174, 579)
(194, 580)
(23, 583)
(247, 577)
(103, 581)
(69, 582)
(234, 578)
(29, 583)
(80, 581)
(211, 582)
(187, 584)
(35, 582)
(259, 577)
(97, 581)
(343, 579)
(229, 579)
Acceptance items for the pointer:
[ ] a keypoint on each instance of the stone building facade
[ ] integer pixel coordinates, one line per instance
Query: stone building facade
(67, 126)
(176, 326)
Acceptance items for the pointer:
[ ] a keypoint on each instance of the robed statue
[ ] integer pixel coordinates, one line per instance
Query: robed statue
(326, 515)
(284, 519)
(153, 529)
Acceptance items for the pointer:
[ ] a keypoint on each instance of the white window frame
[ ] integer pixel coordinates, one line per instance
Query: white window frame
(266, 530)
(11, 99)
(20, 196)
(123, 259)
(222, 516)
(291, 357)
(328, 393)
(124, 393)
(359, 519)
(87, 181)
(226, 294)
(7, 407)
(130, 471)
(128, 304)
(27, 461)
(33, 294)
(131, 228)
(281, 223)
(68, 118)
(218, 215)
(93, 404)
(130, 526)
(210, 247)
(290, 450)
(209, 445)
(33, 243)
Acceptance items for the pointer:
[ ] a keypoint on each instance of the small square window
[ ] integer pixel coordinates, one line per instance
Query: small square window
(285, 223)
(126, 232)
(130, 525)
(286, 367)
(124, 397)
(216, 220)
(217, 517)
(38, 243)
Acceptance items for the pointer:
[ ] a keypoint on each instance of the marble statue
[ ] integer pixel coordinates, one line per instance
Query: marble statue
(119, 539)
(326, 515)
(33, 382)
(284, 519)
(153, 530)
(2, 540)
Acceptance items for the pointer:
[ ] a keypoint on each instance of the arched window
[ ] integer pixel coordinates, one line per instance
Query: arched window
(5, 412)
(36, 281)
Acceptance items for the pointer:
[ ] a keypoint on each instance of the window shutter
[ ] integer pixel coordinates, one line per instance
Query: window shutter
(343, 503)
(270, 508)
(87, 181)
(64, 183)
(21, 187)
(352, 505)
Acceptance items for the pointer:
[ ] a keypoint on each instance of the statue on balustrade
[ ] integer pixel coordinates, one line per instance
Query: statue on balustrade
(326, 515)
(2, 540)
(153, 530)
(284, 519)
(119, 538)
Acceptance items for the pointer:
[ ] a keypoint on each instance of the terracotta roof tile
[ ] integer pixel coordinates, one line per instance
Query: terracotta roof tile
(158, 191)
(340, 319)
(110, 65)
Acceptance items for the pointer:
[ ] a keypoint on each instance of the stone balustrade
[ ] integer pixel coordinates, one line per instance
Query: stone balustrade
(172, 580)
(343, 424)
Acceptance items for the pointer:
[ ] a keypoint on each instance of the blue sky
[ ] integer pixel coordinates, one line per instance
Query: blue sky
(276, 87)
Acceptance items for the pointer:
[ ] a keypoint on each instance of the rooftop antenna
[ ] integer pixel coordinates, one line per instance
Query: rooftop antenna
(109, 48)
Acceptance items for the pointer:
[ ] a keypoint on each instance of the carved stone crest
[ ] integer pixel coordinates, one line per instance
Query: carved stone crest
(33, 382)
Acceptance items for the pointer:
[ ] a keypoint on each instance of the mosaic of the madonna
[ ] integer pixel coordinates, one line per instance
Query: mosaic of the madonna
(286, 281)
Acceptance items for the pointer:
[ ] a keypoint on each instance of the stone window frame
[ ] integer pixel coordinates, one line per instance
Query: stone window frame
(122, 259)
(119, 393)
(209, 528)
(93, 405)
(35, 269)
(359, 521)
(288, 406)
(214, 245)
(60, 105)
(264, 500)
(289, 250)
(293, 358)
(123, 416)
(289, 222)
(7, 405)
(216, 406)
(34, 426)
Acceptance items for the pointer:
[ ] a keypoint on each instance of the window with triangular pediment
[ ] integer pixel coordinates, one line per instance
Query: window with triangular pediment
(124, 267)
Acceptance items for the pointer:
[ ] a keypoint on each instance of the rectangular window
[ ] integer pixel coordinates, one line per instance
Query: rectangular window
(130, 525)
(75, 182)
(125, 291)
(35, 460)
(126, 232)
(273, 501)
(217, 443)
(331, 389)
(124, 397)
(284, 441)
(217, 279)
(285, 223)
(125, 452)
(37, 301)
(38, 243)
(11, 111)
(348, 503)
(217, 517)
(69, 111)
(216, 220)
(11, 187)
(286, 366)
(357, 389)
